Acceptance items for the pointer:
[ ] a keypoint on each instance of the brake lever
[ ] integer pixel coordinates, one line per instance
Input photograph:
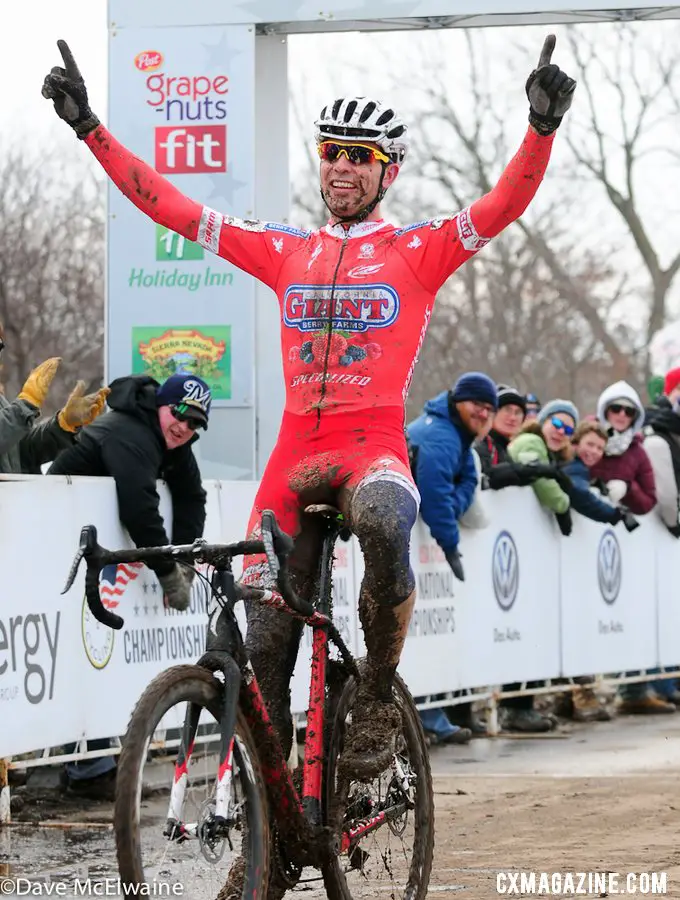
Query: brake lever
(87, 543)
(90, 550)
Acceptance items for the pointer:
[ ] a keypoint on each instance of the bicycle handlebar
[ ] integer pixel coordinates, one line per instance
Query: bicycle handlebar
(275, 544)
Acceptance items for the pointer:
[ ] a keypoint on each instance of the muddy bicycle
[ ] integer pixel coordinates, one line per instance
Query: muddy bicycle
(225, 810)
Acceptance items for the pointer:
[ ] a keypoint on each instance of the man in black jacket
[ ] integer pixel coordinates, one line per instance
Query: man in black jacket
(147, 436)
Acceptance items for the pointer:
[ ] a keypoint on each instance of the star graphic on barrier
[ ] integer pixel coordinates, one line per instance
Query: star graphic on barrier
(146, 610)
(136, 609)
(223, 187)
(154, 587)
(155, 609)
(145, 587)
(220, 55)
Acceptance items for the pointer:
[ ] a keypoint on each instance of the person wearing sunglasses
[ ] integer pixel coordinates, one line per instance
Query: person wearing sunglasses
(147, 436)
(547, 440)
(356, 297)
(625, 467)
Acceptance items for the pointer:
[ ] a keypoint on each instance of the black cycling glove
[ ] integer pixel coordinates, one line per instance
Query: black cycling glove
(549, 90)
(65, 86)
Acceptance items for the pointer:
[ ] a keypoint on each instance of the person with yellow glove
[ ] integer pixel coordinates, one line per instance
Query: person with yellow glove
(25, 443)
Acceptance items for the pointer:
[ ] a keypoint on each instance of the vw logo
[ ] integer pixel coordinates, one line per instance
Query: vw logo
(505, 570)
(609, 566)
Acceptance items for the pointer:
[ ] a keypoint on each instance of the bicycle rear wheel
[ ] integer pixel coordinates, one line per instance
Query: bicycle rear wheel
(386, 825)
(205, 856)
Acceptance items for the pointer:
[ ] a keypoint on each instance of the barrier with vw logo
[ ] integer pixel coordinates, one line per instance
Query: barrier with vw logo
(509, 619)
(608, 599)
(534, 605)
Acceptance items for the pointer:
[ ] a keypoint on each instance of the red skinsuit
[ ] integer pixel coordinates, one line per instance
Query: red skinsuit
(370, 289)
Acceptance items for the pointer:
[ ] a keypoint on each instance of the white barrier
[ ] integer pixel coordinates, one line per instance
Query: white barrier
(534, 605)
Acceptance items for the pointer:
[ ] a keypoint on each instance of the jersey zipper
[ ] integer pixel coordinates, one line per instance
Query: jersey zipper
(329, 329)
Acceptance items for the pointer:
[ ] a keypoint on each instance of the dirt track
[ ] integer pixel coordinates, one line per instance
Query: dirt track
(604, 798)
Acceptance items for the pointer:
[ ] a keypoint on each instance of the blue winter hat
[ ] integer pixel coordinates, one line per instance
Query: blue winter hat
(555, 407)
(188, 392)
(475, 386)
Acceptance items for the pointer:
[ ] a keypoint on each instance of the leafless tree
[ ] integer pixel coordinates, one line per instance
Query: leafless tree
(51, 270)
(628, 118)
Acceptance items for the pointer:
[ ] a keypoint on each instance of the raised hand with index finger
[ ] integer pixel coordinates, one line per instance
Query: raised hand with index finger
(65, 86)
(549, 90)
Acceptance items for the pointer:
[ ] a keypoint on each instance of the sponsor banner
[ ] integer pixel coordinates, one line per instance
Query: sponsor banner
(601, 600)
(201, 350)
(498, 625)
(608, 599)
(183, 100)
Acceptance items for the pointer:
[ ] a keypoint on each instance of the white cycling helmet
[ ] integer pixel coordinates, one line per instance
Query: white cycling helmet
(363, 119)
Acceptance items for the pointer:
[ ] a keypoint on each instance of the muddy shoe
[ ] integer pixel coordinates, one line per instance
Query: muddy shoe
(101, 787)
(527, 720)
(587, 708)
(371, 739)
(646, 706)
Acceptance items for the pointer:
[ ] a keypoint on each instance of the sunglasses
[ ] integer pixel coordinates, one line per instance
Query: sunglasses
(556, 422)
(179, 413)
(357, 154)
(620, 408)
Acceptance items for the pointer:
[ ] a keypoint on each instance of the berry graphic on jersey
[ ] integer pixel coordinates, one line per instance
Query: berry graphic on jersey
(293, 354)
(321, 341)
(373, 350)
(356, 353)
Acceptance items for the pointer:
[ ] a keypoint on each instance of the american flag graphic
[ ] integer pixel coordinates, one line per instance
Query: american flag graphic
(114, 580)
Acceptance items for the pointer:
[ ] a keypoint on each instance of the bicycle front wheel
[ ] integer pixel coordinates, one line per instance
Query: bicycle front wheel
(210, 857)
(386, 827)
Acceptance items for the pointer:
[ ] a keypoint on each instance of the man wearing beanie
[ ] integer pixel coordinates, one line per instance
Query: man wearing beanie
(440, 446)
(146, 437)
(443, 466)
(492, 449)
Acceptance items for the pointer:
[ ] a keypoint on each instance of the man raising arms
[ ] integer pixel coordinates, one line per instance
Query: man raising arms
(356, 297)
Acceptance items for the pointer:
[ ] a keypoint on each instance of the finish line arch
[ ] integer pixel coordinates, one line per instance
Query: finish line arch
(201, 92)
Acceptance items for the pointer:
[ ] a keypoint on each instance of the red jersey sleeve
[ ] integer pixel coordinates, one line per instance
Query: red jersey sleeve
(447, 242)
(259, 248)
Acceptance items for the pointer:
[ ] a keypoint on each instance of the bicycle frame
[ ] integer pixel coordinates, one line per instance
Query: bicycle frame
(299, 816)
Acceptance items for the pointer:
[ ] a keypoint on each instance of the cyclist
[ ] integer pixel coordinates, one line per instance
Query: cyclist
(356, 298)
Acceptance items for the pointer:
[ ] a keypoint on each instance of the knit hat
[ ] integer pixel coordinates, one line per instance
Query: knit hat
(555, 407)
(671, 381)
(189, 393)
(475, 386)
(509, 395)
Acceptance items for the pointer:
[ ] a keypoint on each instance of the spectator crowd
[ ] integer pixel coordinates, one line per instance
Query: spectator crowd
(613, 465)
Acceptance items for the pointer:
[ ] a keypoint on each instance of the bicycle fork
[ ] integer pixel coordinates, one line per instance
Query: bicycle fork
(176, 829)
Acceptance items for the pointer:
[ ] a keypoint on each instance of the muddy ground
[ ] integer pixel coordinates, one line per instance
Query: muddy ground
(603, 798)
